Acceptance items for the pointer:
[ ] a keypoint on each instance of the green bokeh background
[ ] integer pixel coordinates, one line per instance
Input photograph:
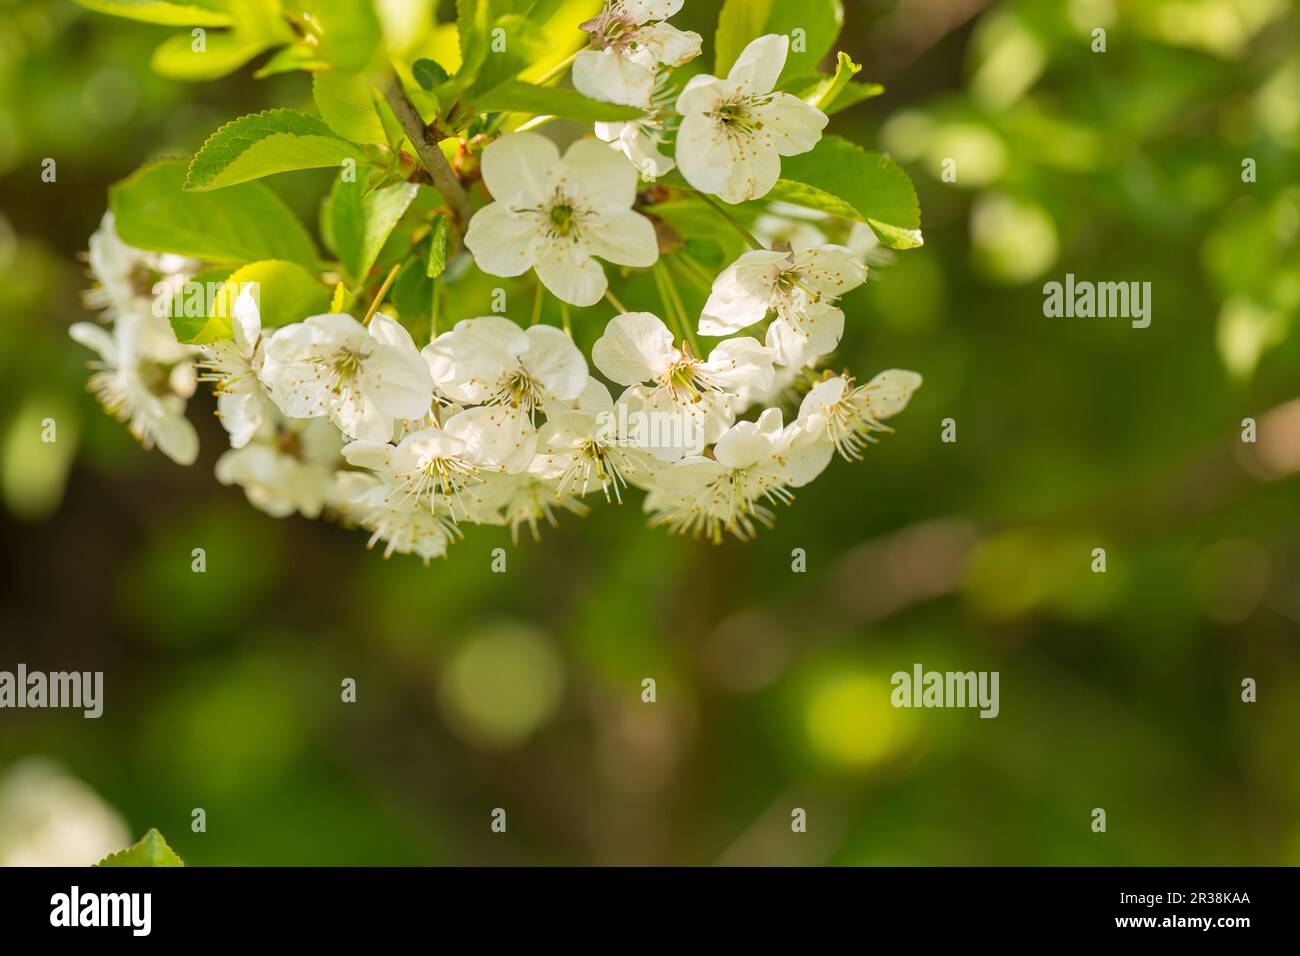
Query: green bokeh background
(523, 690)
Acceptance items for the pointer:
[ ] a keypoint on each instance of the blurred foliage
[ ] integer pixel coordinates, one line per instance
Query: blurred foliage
(523, 690)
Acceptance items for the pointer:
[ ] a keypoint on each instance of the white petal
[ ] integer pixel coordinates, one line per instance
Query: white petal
(503, 242)
(793, 125)
(635, 347)
(702, 155)
(761, 62)
(176, 438)
(571, 274)
(625, 237)
(96, 337)
(241, 415)
(753, 168)
(368, 454)
(610, 77)
(822, 327)
(599, 178)
(742, 362)
(484, 347)
(669, 45)
(521, 169)
(889, 392)
(247, 324)
(397, 380)
(388, 331)
(556, 362)
(701, 94)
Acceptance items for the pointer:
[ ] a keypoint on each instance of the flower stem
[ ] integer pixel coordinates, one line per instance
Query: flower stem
(379, 296)
(564, 318)
(425, 142)
(672, 305)
(750, 238)
(613, 300)
(687, 324)
(559, 69)
(537, 303)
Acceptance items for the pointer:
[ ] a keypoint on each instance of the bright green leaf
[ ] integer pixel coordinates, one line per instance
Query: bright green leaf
(158, 11)
(286, 293)
(348, 30)
(360, 221)
(262, 144)
(832, 94)
(437, 261)
(428, 73)
(818, 23)
(191, 308)
(239, 224)
(222, 52)
(152, 850)
(845, 180)
(517, 97)
(347, 103)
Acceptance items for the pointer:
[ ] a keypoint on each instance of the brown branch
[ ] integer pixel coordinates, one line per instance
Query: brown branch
(425, 142)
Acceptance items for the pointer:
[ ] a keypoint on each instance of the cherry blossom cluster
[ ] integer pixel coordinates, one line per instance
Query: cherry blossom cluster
(495, 423)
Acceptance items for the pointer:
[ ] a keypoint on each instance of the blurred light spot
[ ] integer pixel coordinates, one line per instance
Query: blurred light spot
(1276, 450)
(50, 818)
(502, 685)
(911, 295)
(1244, 332)
(1010, 59)
(907, 134)
(1014, 239)
(851, 723)
(33, 472)
(979, 152)
(1232, 578)
(1087, 15)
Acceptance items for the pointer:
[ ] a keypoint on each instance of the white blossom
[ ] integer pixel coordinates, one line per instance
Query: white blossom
(754, 464)
(362, 378)
(234, 368)
(735, 131)
(669, 384)
(137, 388)
(289, 465)
(629, 42)
(556, 214)
(846, 416)
(583, 449)
(800, 287)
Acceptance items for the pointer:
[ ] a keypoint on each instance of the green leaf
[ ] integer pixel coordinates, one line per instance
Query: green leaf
(437, 248)
(347, 103)
(222, 52)
(192, 307)
(286, 293)
(743, 20)
(428, 73)
(152, 850)
(360, 221)
(833, 94)
(262, 144)
(515, 96)
(158, 11)
(348, 30)
(240, 224)
(705, 233)
(412, 297)
(845, 180)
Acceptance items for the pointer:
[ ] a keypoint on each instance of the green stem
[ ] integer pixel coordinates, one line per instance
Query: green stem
(564, 318)
(559, 69)
(750, 238)
(687, 324)
(433, 313)
(537, 303)
(613, 300)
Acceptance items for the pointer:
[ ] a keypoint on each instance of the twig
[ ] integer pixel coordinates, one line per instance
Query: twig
(425, 142)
